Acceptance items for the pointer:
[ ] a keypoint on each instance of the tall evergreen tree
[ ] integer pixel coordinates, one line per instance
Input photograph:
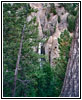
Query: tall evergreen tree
(16, 32)
(71, 82)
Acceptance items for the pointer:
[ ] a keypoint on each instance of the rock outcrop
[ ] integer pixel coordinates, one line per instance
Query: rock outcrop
(51, 46)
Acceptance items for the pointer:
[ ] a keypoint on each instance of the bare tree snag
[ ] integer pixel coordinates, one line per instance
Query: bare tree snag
(71, 82)
(17, 63)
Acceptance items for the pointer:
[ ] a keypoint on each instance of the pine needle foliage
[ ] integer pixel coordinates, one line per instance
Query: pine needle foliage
(61, 62)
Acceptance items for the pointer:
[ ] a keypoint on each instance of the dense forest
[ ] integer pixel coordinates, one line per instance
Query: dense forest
(40, 46)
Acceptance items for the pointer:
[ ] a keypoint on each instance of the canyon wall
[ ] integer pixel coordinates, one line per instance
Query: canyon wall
(46, 25)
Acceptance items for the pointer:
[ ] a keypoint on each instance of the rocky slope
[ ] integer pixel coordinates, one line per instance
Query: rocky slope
(47, 25)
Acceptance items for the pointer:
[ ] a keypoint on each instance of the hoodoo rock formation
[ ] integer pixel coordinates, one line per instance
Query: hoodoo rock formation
(47, 26)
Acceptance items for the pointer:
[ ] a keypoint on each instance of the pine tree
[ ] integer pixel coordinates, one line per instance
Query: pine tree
(22, 72)
(14, 23)
(61, 62)
(71, 82)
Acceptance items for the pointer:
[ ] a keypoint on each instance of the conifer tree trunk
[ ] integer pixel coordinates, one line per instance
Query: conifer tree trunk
(17, 63)
(71, 82)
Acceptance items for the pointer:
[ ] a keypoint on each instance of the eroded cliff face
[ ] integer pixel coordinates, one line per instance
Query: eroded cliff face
(48, 25)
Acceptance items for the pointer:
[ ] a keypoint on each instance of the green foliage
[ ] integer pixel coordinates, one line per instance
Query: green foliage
(45, 86)
(33, 80)
(59, 19)
(7, 82)
(72, 8)
(71, 23)
(14, 18)
(48, 16)
(47, 33)
(52, 8)
(54, 12)
(64, 41)
(61, 62)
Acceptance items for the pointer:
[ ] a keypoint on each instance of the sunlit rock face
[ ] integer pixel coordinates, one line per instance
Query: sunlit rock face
(44, 25)
(63, 16)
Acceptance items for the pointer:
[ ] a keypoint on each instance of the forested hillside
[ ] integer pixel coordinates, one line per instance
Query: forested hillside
(40, 43)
